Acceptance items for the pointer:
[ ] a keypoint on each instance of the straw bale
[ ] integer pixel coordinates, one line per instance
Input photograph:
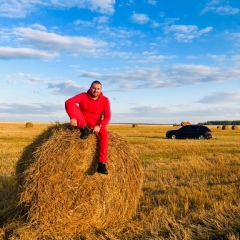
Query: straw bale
(225, 127)
(64, 195)
(185, 123)
(134, 125)
(29, 125)
(234, 127)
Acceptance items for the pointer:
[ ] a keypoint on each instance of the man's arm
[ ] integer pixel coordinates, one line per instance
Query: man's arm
(71, 103)
(106, 113)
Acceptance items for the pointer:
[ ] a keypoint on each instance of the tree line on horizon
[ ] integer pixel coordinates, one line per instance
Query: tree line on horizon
(221, 122)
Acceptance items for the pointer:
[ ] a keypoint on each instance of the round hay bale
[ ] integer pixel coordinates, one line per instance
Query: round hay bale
(234, 127)
(218, 127)
(64, 195)
(225, 127)
(185, 123)
(134, 125)
(29, 125)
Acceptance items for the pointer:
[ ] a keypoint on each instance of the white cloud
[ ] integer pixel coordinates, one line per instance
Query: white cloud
(116, 54)
(102, 6)
(96, 20)
(152, 2)
(24, 108)
(9, 52)
(5, 35)
(214, 6)
(19, 8)
(186, 33)
(140, 18)
(157, 58)
(102, 19)
(227, 10)
(234, 37)
(173, 76)
(38, 27)
(55, 42)
(155, 24)
(148, 57)
(149, 109)
(221, 98)
(82, 23)
(236, 60)
(23, 77)
(119, 33)
(68, 88)
(218, 58)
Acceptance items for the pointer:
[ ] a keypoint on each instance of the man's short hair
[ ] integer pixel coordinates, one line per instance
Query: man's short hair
(96, 82)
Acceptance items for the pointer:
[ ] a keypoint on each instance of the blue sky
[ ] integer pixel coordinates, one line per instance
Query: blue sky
(159, 61)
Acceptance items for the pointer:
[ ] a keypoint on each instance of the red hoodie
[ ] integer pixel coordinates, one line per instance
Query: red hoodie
(98, 109)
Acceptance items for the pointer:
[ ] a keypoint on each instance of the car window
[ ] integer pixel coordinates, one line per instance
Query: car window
(184, 129)
(191, 128)
(196, 128)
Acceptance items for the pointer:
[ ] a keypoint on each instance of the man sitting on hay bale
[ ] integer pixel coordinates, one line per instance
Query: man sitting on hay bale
(90, 112)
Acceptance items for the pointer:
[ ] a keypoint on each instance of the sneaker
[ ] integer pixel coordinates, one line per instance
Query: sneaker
(85, 131)
(102, 168)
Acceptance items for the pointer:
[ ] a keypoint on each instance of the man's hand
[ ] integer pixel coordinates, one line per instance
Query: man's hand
(96, 129)
(73, 122)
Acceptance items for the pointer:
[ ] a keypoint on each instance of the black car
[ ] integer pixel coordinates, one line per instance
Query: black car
(190, 131)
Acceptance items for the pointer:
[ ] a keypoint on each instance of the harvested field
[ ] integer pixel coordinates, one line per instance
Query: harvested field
(190, 187)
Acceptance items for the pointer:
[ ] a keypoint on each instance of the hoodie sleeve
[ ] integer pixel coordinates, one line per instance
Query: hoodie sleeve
(71, 103)
(106, 113)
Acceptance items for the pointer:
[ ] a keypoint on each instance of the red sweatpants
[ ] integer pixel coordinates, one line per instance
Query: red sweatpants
(102, 135)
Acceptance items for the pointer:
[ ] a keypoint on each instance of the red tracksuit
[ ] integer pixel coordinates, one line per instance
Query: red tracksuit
(90, 112)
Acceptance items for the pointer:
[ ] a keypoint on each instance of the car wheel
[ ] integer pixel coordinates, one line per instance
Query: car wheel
(173, 136)
(201, 137)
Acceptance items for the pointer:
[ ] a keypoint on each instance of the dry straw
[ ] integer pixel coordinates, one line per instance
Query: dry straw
(63, 194)
(185, 123)
(225, 127)
(234, 127)
(29, 125)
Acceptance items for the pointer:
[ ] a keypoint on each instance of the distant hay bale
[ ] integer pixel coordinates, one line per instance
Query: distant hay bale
(29, 125)
(134, 125)
(225, 127)
(185, 123)
(64, 195)
(218, 127)
(234, 127)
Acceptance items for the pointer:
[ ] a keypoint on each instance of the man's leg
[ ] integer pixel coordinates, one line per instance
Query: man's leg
(103, 145)
(103, 149)
(81, 123)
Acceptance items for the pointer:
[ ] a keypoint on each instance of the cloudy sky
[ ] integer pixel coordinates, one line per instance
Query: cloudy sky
(159, 61)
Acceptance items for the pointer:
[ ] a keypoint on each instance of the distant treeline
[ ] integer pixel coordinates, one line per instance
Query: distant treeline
(225, 122)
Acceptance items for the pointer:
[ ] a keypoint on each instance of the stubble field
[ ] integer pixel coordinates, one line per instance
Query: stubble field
(191, 188)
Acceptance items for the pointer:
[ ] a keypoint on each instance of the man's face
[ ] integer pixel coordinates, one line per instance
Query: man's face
(95, 90)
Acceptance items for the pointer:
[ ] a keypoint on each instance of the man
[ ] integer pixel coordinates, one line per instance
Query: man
(90, 112)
